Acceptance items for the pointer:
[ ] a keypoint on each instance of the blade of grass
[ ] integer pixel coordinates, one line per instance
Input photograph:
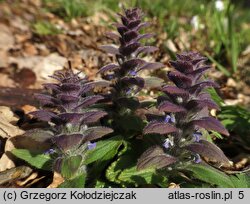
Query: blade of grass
(218, 65)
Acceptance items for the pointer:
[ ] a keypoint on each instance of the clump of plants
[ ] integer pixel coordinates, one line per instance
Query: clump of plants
(125, 73)
(185, 116)
(68, 106)
(170, 143)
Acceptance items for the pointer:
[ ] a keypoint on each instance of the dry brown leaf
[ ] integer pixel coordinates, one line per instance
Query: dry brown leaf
(6, 81)
(6, 38)
(7, 129)
(57, 180)
(6, 163)
(13, 174)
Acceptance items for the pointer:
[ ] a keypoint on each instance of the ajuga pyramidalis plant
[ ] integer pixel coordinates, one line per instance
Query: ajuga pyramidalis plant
(184, 118)
(67, 105)
(125, 73)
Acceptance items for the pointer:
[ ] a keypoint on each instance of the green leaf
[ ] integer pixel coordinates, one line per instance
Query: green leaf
(210, 175)
(219, 66)
(124, 172)
(104, 150)
(214, 95)
(35, 159)
(76, 182)
(153, 82)
(70, 166)
(241, 180)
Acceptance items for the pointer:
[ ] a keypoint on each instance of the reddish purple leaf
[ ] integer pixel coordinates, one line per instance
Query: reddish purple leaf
(129, 49)
(121, 29)
(202, 103)
(196, 89)
(179, 79)
(44, 115)
(134, 24)
(67, 98)
(159, 128)
(175, 91)
(142, 25)
(138, 81)
(70, 88)
(125, 20)
(200, 70)
(151, 66)
(145, 36)
(94, 133)
(209, 150)
(46, 99)
(109, 67)
(93, 116)
(110, 49)
(145, 50)
(155, 157)
(210, 123)
(182, 66)
(112, 35)
(169, 107)
(74, 118)
(132, 64)
(68, 142)
(130, 35)
(89, 100)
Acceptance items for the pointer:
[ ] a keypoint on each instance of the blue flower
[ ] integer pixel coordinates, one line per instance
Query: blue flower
(91, 145)
(169, 119)
(197, 158)
(197, 136)
(50, 151)
(167, 143)
(132, 73)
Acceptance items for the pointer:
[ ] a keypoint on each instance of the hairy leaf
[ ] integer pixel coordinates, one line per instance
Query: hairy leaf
(159, 128)
(110, 49)
(44, 115)
(67, 142)
(89, 100)
(109, 67)
(151, 66)
(94, 133)
(196, 89)
(155, 157)
(210, 123)
(182, 66)
(179, 79)
(145, 50)
(209, 150)
(138, 81)
(129, 49)
(169, 107)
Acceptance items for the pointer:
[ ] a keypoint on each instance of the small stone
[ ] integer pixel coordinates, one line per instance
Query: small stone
(231, 83)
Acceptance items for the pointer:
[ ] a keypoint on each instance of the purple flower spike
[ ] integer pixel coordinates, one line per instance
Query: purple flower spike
(128, 53)
(197, 158)
(183, 112)
(91, 145)
(197, 136)
(50, 151)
